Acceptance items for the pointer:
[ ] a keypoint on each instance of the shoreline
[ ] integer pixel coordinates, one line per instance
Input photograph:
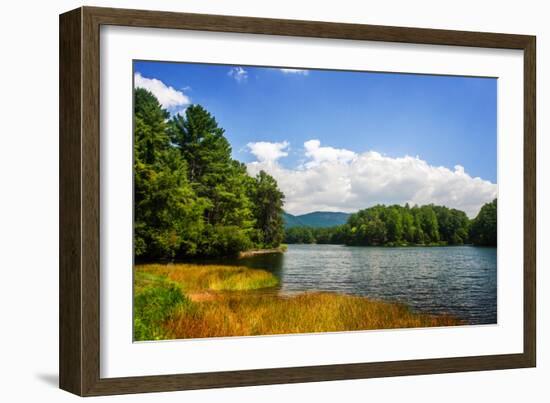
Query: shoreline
(255, 252)
(399, 245)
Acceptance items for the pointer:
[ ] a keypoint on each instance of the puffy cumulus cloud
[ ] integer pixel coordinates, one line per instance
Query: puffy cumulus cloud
(267, 152)
(169, 98)
(295, 71)
(319, 155)
(338, 181)
(238, 73)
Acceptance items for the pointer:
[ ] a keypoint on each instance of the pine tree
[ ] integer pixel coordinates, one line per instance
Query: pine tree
(268, 209)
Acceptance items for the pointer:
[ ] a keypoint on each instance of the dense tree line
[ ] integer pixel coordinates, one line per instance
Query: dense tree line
(405, 225)
(190, 197)
(483, 230)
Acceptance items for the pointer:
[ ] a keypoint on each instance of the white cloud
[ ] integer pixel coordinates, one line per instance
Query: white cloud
(238, 73)
(179, 111)
(267, 152)
(168, 97)
(341, 180)
(295, 71)
(318, 154)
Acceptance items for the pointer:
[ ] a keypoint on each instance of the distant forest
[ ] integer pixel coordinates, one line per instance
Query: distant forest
(404, 225)
(190, 197)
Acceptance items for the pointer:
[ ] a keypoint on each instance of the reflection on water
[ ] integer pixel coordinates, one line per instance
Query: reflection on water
(459, 280)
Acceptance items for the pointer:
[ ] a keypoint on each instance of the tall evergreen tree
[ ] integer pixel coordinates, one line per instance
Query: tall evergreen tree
(202, 144)
(268, 209)
(150, 137)
(167, 213)
(211, 170)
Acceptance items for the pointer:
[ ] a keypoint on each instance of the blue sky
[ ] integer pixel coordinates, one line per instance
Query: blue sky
(444, 121)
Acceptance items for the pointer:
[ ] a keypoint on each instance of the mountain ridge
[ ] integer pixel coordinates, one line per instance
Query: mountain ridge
(315, 219)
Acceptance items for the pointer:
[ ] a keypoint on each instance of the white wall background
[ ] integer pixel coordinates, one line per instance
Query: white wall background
(29, 198)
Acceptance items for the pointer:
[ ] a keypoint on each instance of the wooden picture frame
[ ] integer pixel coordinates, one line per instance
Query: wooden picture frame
(79, 279)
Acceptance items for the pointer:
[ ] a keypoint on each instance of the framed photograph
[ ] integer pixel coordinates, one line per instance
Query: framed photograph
(248, 201)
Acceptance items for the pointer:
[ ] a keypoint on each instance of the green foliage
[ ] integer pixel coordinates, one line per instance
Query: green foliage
(202, 144)
(156, 300)
(166, 208)
(394, 225)
(404, 225)
(150, 137)
(484, 226)
(268, 209)
(300, 235)
(453, 225)
(190, 197)
(220, 240)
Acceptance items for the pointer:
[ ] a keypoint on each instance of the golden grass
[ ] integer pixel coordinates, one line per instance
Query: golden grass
(219, 307)
(241, 315)
(195, 278)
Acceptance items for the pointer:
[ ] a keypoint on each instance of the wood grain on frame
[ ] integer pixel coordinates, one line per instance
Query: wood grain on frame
(79, 200)
(70, 274)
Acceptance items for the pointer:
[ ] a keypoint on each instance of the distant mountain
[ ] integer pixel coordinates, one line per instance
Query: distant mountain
(292, 221)
(317, 219)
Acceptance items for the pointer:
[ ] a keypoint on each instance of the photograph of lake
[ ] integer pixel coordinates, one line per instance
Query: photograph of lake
(279, 200)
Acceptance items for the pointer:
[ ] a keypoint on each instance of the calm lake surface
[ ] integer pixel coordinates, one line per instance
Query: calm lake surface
(459, 280)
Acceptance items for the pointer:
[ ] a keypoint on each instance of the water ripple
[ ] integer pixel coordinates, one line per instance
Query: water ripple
(457, 280)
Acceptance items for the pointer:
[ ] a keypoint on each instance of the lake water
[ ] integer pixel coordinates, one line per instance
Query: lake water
(458, 280)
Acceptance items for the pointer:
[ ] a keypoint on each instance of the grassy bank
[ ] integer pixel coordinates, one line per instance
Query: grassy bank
(191, 301)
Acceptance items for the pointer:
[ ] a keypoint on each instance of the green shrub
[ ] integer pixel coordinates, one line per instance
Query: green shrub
(225, 241)
(155, 300)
